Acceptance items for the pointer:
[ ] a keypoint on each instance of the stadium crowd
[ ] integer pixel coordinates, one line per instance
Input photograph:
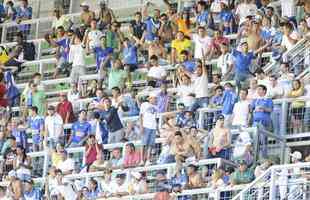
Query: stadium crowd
(175, 51)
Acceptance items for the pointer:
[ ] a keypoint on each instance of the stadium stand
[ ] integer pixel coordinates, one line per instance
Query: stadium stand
(157, 99)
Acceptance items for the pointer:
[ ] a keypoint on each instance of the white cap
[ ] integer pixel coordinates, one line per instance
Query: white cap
(243, 40)
(224, 2)
(297, 155)
(84, 4)
(153, 94)
(136, 175)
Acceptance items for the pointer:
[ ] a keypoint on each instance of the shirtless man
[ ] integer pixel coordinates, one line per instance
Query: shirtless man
(156, 48)
(194, 177)
(183, 147)
(220, 140)
(253, 37)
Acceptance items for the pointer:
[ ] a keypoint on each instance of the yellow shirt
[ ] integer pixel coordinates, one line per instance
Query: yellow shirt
(56, 159)
(181, 45)
(182, 26)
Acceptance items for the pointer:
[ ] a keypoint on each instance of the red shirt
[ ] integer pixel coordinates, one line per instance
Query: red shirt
(216, 42)
(63, 108)
(132, 159)
(3, 100)
(92, 155)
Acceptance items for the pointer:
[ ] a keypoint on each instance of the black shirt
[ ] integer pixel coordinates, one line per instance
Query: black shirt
(138, 28)
(112, 119)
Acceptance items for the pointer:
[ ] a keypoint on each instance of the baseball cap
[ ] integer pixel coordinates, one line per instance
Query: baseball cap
(84, 4)
(242, 41)
(220, 117)
(242, 162)
(296, 154)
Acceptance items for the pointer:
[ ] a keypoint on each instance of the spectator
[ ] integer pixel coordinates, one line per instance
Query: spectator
(114, 37)
(225, 61)
(9, 154)
(137, 27)
(130, 54)
(157, 73)
(189, 65)
(179, 44)
(53, 128)
(228, 101)
(117, 159)
(220, 140)
(148, 126)
(23, 12)
(18, 130)
(120, 186)
(36, 125)
(80, 130)
(242, 175)
(217, 99)
(152, 23)
(66, 165)
(163, 99)
(65, 109)
(227, 19)
(202, 43)
(106, 15)
(243, 148)
(86, 15)
(93, 37)
(218, 39)
(166, 30)
(132, 157)
(200, 85)
(31, 192)
(92, 151)
(114, 124)
(22, 163)
(297, 106)
(203, 17)
(252, 91)
(117, 76)
(3, 91)
(138, 184)
(185, 91)
(61, 20)
(244, 9)
(194, 177)
(156, 48)
(241, 111)
(63, 189)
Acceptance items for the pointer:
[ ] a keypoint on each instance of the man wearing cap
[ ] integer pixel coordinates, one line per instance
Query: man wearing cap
(244, 9)
(80, 130)
(106, 15)
(61, 20)
(148, 126)
(53, 128)
(119, 186)
(86, 15)
(242, 175)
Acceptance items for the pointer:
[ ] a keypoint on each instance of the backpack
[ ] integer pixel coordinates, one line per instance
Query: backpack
(29, 51)
(12, 91)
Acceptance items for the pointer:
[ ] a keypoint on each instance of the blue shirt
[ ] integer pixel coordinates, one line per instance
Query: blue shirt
(130, 55)
(202, 18)
(216, 100)
(162, 101)
(229, 100)
(101, 55)
(152, 27)
(21, 137)
(24, 13)
(35, 194)
(226, 16)
(189, 66)
(132, 106)
(36, 125)
(242, 61)
(80, 130)
(112, 119)
(262, 117)
(64, 44)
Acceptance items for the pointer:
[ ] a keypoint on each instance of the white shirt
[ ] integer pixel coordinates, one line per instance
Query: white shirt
(148, 112)
(157, 72)
(285, 41)
(240, 113)
(288, 8)
(54, 126)
(66, 191)
(73, 97)
(201, 86)
(94, 37)
(201, 45)
(224, 61)
(272, 92)
(244, 10)
(116, 188)
(243, 140)
(66, 165)
(183, 92)
(216, 6)
(77, 55)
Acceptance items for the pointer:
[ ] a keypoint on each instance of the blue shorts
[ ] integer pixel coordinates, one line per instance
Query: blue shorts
(149, 136)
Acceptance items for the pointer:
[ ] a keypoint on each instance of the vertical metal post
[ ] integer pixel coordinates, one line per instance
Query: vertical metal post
(284, 116)
(3, 37)
(272, 189)
(39, 50)
(37, 29)
(41, 68)
(179, 6)
(45, 163)
(71, 7)
(256, 144)
(200, 119)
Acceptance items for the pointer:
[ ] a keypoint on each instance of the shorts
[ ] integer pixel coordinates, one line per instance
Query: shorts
(149, 136)
(132, 67)
(116, 136)
(76, 72)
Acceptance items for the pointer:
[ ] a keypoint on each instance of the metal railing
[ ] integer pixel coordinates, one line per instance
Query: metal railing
(289, 181)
